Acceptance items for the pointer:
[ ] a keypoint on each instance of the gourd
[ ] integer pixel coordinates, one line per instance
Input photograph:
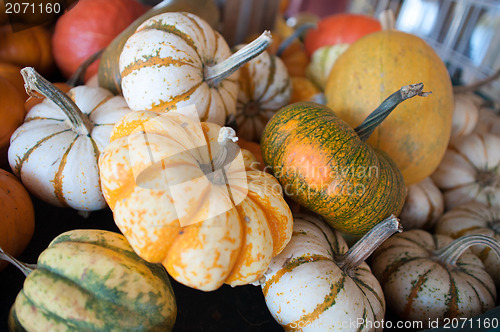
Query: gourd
(184, 196)
(174, 60)
(317, 284)
(465, 116)
(475, 218)
(109, 76)
(11, 115)
(469, 171)
(415, 137)
(92, 280)
(30, 47)
(65, 134)
(18, 216)
(424, 205)
(303, 89)
(488, 121)
(326, 167)
(13, 74)
(264, 87)
(429, 277)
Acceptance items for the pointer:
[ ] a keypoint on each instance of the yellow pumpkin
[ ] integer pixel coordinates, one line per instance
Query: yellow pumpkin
(416, 135)
(184, 196)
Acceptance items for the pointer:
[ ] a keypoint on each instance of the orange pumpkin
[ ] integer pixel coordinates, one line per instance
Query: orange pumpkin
(30, 47)
(13, 73)
(11, 115)
(18, 216)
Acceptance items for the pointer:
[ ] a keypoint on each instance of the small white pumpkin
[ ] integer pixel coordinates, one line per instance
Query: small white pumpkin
(55, 152)
(424, 205)
(489, 121)
(469, 170)
(176, 59)
(475, 218)
(322, 62)
(265, 87)
(465, 115)
(316, 284)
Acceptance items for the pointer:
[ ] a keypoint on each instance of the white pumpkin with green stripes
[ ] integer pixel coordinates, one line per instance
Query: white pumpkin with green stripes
(55, 151)
(317, 284)
(265, 87)
(176, 59)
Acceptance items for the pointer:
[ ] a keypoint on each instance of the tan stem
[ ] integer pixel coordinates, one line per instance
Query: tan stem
(362, 249)
(387, 19)
(476, 85)
(24, 267)
(35, 83)
(452, 252)
(215, 74)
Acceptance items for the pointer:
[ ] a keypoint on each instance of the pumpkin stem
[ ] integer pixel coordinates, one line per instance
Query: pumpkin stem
(375, 118)
(78, 76)
(296, 34)
(363, 248)
(229, 150)
(476, 85)
(24, 267)
(215, 74)
(35, 83)
(387, 19)
(452, 252)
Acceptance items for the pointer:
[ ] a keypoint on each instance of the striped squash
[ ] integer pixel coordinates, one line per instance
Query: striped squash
(316, 284)
(428, 277)
(265, 87)
(475, 218)
(175, 60)
(185, 197)
(91, 280)
(55, 151)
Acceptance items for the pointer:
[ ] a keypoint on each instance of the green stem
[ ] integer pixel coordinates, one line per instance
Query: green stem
(78, 76)
(35, 83)
(363, 248)
(366, 128)
(24, 267)
(452, 252)
(215, 74)
(295, 35)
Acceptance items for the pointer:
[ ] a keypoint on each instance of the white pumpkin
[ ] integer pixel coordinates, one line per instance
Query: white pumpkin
(489, 121)
(265, 87)
(55, 151)
(316, 284)
(322, 62)
(465, 115)
(176, 59)
(423, 206)
(469, 170)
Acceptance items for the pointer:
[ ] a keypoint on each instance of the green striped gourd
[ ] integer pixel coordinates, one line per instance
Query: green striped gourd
(265, 87)
(325, 165)
(317, 284)
(174, 60)
(56, 150)
(429, 278)
(92, 280)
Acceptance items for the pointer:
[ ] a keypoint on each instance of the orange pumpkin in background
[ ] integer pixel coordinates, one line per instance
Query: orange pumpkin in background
(11, 115)
(13, 74)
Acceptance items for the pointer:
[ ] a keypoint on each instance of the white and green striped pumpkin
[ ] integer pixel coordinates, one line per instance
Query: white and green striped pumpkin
(431, 277)
(176, 59)
(316, 284)
(265, 87)
(322, 61)
(56, 150)
(92, 280)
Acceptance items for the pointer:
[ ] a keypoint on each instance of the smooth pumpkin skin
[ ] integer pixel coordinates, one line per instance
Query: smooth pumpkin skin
(13, 73)
(18, 216)
(11, 115)
(324, 166)
(92, 280)
(416, 134)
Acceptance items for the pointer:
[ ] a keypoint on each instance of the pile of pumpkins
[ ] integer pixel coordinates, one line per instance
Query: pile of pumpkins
(282, 163)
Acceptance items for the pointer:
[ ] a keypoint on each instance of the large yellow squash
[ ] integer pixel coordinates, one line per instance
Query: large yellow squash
(415, 135)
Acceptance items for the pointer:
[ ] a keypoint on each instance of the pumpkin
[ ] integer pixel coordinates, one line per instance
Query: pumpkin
(469, 171)
(93, 280)
(424, 205)
(264, 87)
(66, 134)
(109, 76)
(30, 47)
(18, 216)
(11, 115)
(430, 278)
(326, 167)
(322, 62)
(317, 284)
(303, 89)
(13, 74)
(255, 151)
(475, 218)
(175, 60)
(89, 27)
(184, 196)
(337, 29)
(465, 116)
(488, 121)
(417, 135)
